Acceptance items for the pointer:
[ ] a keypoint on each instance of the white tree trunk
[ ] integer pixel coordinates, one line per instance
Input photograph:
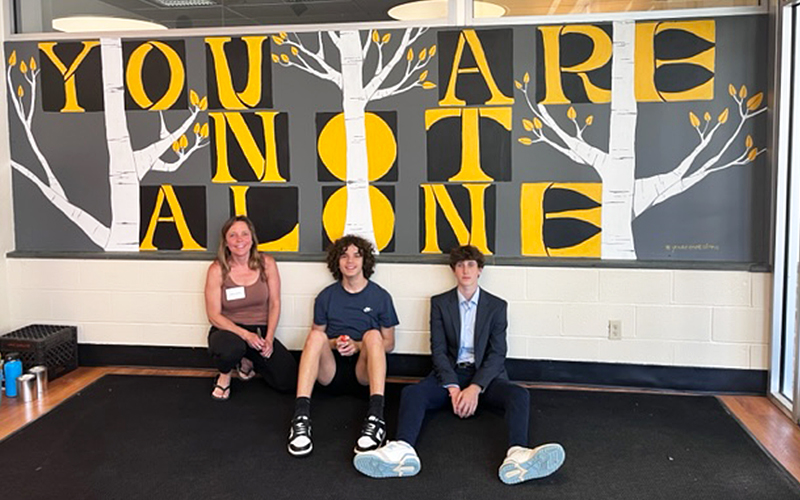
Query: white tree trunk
(122, 177)
(618, 172)
(358, 219)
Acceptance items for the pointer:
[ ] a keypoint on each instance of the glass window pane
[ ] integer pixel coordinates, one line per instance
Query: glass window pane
(489, 8)
(37, 16)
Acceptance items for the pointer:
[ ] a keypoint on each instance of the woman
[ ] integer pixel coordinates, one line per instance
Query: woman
(243, 303)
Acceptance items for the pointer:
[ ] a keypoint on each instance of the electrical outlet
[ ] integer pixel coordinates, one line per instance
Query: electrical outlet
(614, 329)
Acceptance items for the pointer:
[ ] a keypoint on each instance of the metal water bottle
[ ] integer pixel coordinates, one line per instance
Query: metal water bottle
(11, 370)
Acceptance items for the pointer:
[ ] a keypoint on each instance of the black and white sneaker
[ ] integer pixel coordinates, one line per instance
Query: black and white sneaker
(300, 443)
(373, 434)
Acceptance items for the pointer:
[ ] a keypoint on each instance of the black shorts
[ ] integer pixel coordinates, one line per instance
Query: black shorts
(345, 380)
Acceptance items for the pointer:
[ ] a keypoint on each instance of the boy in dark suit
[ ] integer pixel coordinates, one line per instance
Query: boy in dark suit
(468, 347)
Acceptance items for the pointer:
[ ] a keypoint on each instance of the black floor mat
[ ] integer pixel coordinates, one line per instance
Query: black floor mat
(164, 437)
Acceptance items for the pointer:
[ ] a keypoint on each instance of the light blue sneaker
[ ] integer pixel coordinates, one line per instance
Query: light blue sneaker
(396, 459)
(523, 464)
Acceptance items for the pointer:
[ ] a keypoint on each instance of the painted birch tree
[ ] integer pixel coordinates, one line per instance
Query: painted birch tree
(360, 85)
(126, 166)
(624, 197)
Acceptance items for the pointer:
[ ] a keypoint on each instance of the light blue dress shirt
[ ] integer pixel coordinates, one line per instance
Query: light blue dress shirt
(467, 310)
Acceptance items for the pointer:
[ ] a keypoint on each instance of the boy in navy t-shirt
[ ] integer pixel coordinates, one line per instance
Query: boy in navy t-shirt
(353, 329)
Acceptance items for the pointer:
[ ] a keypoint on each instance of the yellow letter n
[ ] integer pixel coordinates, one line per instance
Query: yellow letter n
(263, 164)
(437, 195)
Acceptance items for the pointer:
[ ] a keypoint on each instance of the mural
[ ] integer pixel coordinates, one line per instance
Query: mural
(540, 141)
(640, 70)
(360, 85)
(126, 166)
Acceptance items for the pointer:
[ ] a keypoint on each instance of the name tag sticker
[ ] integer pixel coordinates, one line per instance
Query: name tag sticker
(236, 293)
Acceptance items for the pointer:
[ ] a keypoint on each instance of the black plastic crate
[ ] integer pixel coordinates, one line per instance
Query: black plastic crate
(54, 346)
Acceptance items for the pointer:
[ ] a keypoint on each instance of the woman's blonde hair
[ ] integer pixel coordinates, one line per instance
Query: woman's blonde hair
(254, 261)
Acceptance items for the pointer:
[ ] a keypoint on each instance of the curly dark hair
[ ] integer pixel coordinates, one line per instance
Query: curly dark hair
(466, 252)
(340, 246)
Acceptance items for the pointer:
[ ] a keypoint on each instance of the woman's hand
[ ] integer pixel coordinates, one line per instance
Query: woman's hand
(255, 341)
(266, 351)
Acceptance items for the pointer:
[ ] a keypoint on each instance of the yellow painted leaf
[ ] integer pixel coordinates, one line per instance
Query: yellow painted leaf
(275, 58)
(537, 123)
(196, 128)
(278, 40)
(23, 67)
(20, 91)
(283, 35)
(386, 38)
(525, 140)
(694, 120)
(731, 90)
(754, 102)
(184, 141)
(33, 64)
(571, 113)
(518, 85)
(375, 36)
(204, 130)
(194, 98)
(203, 103)
(423, 75)
(527, 125)
(589, 120)
(432, 52)
(752, 155)
(284, 58)
(428, 85)
(422, 54)
(526, 78)
(748, 143)
(723, 117)
(743, 92)
(410, 54)
(295, 51)
(707, 116)
(12, 59)
(176, 146)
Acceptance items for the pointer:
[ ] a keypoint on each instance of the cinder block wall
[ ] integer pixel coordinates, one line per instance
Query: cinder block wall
(682, 318)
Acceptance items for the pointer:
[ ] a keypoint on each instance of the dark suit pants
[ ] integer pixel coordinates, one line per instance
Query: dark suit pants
(429, 395)
(279, 371)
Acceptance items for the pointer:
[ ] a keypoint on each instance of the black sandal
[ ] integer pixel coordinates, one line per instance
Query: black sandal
(245, 375)
(226, 391)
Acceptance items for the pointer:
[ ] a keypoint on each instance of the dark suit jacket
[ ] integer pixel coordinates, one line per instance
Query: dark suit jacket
(490, 337)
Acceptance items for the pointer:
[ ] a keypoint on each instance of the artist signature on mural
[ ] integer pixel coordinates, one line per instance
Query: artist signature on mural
(695, 246)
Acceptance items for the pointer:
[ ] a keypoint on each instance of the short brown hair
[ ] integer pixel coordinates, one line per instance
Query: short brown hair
(340, 246)
(466, 252)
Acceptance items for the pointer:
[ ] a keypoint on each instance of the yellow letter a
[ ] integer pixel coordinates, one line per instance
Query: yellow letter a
(167, 193)
(450, 99)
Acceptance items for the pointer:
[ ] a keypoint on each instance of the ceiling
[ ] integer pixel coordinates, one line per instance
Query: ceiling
(284, 12)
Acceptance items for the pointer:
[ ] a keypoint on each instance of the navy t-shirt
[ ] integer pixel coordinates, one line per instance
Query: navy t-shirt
(352, 314)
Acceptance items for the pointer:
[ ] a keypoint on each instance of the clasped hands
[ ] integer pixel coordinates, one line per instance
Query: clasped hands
(464, 401)
(262, 345)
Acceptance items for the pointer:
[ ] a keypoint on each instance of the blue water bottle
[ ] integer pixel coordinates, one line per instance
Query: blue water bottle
(12, 370)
